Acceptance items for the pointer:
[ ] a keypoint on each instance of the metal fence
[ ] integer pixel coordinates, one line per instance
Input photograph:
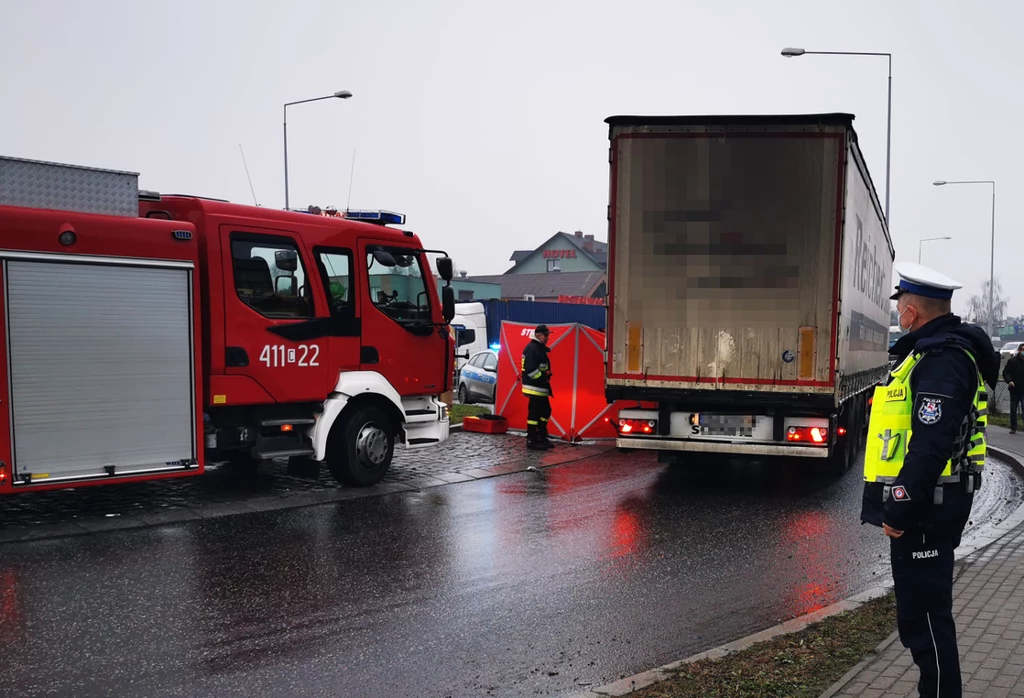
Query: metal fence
(999, 403)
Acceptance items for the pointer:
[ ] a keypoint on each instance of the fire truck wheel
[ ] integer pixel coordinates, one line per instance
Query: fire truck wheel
(361, 448)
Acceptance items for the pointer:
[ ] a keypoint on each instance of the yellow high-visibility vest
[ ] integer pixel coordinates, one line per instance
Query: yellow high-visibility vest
(889, 428)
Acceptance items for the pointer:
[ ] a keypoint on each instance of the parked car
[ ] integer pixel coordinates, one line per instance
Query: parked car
(478, 379)
(1008, 349)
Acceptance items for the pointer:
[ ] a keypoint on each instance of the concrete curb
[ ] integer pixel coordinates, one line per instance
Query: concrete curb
(848, 676)
(642, 680)
(997, 531)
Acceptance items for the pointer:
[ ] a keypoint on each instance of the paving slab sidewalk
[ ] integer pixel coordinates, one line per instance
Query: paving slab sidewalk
(988, 605)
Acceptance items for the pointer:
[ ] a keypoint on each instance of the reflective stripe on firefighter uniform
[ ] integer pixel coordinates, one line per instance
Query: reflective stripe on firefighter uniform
(535, 368)
(889, 429)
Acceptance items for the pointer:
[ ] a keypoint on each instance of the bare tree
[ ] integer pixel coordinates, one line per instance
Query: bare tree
(977, 306)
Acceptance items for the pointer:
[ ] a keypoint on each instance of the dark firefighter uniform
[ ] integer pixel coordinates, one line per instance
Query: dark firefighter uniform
(537, 389)
(922, 465)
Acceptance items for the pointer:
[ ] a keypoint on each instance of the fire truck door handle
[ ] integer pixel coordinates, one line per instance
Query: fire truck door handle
(368, 355)
(236, 356)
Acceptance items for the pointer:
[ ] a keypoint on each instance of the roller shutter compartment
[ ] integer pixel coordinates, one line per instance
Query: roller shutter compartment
(101, 368)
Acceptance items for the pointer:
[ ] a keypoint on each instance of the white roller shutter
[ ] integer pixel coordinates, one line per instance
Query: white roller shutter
(101, 368)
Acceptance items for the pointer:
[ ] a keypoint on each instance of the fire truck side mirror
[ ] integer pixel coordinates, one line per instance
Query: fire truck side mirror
(286, 260)
(448, 302)
(445, 268)
(384, 258)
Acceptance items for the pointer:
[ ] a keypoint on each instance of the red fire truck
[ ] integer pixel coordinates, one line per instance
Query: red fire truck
(146, 334)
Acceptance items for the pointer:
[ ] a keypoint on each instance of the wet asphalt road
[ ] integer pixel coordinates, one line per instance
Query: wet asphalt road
(527, 584)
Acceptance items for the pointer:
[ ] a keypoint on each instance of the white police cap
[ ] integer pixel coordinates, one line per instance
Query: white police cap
(922, 281)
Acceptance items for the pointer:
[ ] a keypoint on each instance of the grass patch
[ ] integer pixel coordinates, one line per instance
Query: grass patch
(1000, 420)
(457, 412)
(800, 665)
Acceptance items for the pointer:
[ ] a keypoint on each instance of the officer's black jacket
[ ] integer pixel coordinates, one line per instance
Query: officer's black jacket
(945, 377)
(534, 355)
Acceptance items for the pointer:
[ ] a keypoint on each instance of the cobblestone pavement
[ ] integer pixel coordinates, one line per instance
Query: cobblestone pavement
(988, 606)
(224, 490)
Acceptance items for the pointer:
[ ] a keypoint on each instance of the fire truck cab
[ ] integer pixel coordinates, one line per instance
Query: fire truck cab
(318, 338)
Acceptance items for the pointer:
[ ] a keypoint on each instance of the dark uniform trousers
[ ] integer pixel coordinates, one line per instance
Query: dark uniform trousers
(538, 412)
(922, 570)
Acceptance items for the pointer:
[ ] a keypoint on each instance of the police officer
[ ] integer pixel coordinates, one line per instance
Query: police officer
(537, 389)
(923, 461)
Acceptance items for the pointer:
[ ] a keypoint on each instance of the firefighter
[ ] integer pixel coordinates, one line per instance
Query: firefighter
(934, 405)
(537, 389)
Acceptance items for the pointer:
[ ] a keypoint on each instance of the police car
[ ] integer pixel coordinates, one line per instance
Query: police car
(478, 378)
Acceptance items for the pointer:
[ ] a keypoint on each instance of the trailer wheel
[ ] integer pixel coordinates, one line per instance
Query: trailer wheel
(839, 462)
(360, 449)
(845, 451)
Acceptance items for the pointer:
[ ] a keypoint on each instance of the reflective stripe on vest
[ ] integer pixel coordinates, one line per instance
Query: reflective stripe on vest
(890, 428)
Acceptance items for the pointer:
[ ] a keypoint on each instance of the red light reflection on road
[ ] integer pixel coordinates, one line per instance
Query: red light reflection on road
(626, 532)
(815, 557)
(11, 617)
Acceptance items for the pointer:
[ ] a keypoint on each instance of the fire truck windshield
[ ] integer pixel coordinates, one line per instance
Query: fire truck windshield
(399, 290)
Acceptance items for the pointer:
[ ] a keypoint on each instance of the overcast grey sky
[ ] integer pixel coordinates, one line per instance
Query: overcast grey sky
(483, 122)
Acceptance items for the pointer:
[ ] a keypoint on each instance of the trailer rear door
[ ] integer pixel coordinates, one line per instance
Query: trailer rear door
(723, 257)
(100, 366)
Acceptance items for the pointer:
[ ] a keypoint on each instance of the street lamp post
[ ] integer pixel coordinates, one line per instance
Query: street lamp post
(992, 252)
(342, 94)
(794, 52)
(923, 240)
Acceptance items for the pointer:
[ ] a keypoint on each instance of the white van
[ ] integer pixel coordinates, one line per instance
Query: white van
(470, 325)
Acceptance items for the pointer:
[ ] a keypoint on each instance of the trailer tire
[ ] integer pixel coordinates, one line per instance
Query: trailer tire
(844, 451)
(360, 448)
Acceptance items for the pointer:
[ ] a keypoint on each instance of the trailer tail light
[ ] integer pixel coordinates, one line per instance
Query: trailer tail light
(3, 473)
(817, 436)
(637, 426)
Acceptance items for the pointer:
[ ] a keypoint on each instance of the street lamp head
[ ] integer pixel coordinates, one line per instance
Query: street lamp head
(946, 238)
(343, 94)
(792, 52)
(939, 182)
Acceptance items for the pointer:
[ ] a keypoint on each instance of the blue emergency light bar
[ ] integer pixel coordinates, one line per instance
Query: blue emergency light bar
(381, 217)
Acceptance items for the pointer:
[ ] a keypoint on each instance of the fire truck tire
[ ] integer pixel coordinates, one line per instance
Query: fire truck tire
(360, 449)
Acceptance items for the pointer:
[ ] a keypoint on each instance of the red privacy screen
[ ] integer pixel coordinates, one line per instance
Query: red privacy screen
(578, 407)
